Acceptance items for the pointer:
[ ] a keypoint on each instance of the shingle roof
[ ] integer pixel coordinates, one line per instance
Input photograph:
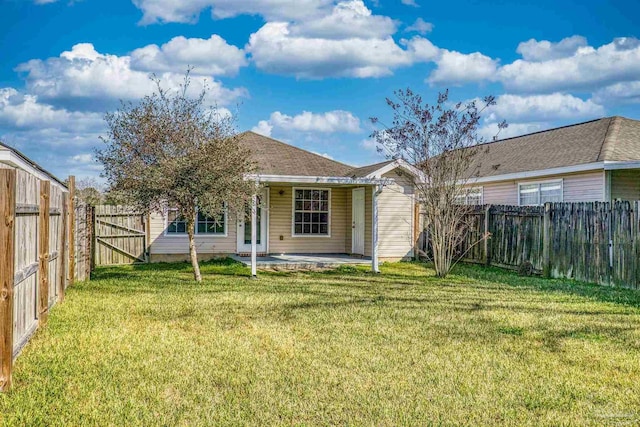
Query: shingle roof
(366, 170)
(273, 157)
(607, 139)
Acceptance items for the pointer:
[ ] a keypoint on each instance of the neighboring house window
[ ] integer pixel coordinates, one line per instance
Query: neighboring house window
(540, 193)
(471, 196)
(204, 224)
(311, 212)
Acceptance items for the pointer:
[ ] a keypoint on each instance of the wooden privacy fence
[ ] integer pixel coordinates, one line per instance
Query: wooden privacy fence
(36, 265)
(591, 241)
(120, 235)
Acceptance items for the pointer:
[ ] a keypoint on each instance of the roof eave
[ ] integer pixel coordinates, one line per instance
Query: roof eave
(300, 179)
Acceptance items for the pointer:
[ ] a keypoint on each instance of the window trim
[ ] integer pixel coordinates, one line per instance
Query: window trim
(293, 214)
(539, 183)
(166, 233)
(466, 196)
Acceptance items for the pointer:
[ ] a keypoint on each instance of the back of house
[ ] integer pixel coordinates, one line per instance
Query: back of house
(308, 205)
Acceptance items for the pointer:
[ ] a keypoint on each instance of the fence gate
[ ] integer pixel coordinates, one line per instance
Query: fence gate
(120, 236)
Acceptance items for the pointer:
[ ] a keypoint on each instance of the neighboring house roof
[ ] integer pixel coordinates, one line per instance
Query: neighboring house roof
(607, 139)
(15, 158)
(273, 157)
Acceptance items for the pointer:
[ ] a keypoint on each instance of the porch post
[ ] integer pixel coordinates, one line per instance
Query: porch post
(374, 229)
(254, 234)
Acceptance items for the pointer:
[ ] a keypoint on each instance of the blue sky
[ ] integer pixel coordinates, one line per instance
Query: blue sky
(309, 72)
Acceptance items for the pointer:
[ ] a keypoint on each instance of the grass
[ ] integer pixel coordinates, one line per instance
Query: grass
(146, 346)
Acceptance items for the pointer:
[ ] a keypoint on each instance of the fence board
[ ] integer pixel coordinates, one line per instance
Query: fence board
(591, 241)
(25, 308)
(7, 242)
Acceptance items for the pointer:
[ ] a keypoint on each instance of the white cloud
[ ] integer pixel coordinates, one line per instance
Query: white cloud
(420, 26)
(263, 128)
(456, 68)
(626, 93)
(545, 50)
(369, 144)
(21, 111)
(586, 69)
(490, 130)
(82, 158)
(410, 3)
(527, 114)
(348, 19)
(329, 122)
(275, 49)
(325, 155)
(213, 56)
(542, 108)
(95, 81)
(188, 11)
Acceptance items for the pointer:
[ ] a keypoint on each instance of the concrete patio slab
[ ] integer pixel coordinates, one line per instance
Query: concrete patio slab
(303, 261)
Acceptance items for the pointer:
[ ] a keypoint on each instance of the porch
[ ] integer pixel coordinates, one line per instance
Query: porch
(302, 261)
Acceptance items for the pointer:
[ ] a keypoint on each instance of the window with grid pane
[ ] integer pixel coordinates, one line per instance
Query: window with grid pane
(540, 193)
(176, 224)
(471, 196)
(210, 225)
(311, 212)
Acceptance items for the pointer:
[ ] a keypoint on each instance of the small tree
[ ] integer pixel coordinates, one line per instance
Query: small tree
(172, 151)
(441, 142)
(89, 191)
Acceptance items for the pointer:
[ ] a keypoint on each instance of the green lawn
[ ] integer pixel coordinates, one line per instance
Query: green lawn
(146, 346)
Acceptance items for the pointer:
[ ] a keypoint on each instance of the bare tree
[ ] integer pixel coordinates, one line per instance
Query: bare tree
(441, 141)
(89, 191)
(172, 151)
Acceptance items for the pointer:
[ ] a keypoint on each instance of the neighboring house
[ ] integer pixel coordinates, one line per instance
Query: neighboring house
(592, 161)
(308, 205)
(13, 159)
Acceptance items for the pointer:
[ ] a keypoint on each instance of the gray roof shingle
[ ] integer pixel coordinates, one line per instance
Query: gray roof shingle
(606, 139)
(273, 157)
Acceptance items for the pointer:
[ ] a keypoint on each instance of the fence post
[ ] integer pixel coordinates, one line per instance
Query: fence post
(43, 249)
(635, 216)
(7, 243)
(487, 227)
(72, 229)
(63, 247)
(546, 241)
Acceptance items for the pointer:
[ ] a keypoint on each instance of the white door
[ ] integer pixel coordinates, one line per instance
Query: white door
(357, 218)
(244, 226)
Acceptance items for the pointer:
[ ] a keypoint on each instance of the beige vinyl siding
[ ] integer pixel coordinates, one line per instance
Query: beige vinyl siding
(280, 220)
(179, 243)
(500, 193)
(584, 187)
(395, 217)
(580, 187)
(625, 184)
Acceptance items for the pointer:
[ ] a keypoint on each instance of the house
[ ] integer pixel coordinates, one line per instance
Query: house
(597, 160)
(308, 204)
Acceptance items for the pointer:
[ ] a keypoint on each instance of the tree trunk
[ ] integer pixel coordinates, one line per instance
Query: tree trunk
(192, 248)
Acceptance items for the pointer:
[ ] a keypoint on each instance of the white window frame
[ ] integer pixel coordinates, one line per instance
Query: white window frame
(469, 190)
(293, 214)
(166, 226)
(539, 183)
